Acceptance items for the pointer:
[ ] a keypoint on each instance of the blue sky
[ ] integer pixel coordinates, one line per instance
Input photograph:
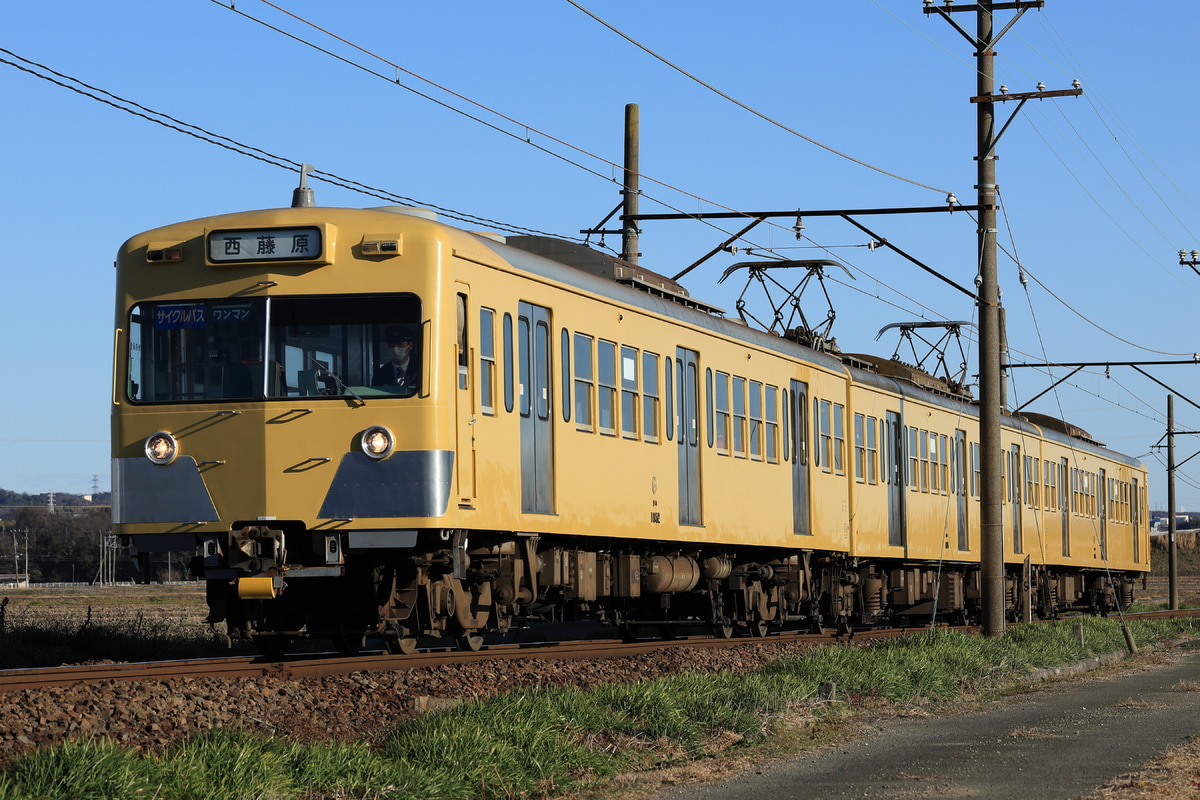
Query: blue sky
(1099, 191)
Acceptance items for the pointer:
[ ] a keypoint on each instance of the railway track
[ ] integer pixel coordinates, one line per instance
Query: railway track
(320, 664)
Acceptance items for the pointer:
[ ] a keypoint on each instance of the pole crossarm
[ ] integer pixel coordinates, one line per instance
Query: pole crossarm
(949, 8)
(1023, 96)
(948, 208)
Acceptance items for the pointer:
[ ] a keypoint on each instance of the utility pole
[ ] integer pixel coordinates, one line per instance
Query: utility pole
(991, 517)
(1173, 577)
(631, 190)
(991, 384)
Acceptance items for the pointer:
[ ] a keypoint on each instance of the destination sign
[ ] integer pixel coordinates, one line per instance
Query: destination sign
(267, 244)
(178, 316)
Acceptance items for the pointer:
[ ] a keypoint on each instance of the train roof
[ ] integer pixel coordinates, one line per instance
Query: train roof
(618, 280)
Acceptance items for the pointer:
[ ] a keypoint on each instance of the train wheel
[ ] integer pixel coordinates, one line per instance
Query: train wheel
(724, 631)
(399, 640)
(760, 628)
(400, 646)
(470, 641)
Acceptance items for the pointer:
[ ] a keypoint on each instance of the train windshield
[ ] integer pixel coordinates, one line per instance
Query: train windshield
(276, 347)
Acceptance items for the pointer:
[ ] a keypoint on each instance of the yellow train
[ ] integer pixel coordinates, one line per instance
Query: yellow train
(368, 423)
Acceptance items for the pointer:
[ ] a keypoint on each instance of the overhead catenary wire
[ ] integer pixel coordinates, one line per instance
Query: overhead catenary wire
(499, 114)
(1061, 43)
(744, 106)
(526, 139)
(130, 107)
(1081, 72)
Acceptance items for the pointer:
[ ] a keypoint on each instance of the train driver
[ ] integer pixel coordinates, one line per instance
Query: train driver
(400, 371)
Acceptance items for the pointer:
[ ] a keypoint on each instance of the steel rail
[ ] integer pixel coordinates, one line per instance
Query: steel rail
(320, 665)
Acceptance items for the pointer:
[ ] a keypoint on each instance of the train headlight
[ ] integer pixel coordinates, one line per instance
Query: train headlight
(378, 442)
(161, 448)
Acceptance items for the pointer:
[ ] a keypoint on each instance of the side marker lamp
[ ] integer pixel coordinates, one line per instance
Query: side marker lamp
(161, 448)
(165, 254)
(381, 245)
(378, 442)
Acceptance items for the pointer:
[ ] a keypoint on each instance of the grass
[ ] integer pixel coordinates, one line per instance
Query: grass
(549, 742)
(49, 628)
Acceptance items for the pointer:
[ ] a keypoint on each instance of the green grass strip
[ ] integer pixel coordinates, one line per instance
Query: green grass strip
(543, 743)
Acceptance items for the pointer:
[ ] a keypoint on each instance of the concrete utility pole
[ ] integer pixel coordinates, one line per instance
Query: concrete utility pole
(631, 190)
(991, 384)
(991, 515)
(1173, 577)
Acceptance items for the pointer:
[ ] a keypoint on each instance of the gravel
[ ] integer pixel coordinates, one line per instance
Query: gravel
(155, 714)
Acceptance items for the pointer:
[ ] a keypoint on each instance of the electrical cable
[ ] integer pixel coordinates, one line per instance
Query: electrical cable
(745, 107)
(197, 132)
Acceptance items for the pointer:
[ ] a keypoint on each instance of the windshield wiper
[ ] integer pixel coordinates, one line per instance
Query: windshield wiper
(341, 386)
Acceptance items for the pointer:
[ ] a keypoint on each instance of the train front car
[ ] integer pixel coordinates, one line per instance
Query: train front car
(278, 407)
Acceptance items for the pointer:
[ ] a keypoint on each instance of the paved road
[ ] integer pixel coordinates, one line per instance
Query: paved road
(1065, 741)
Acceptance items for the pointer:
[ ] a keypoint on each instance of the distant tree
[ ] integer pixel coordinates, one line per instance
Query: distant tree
(65, 546)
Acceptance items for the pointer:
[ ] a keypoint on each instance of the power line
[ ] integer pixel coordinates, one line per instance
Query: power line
(742, 105)
(197, 132)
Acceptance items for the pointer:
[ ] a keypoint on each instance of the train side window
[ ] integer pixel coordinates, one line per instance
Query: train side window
(565, 347)
(771, 431)
(649, 397)
(975, 469)
(629, 392)
(463, 352)
(508, 363)
(860, 448)
(606, 387)
(708, 404)
(487, 361)
(669, 398)
(923, 440)
(824, 434)
(584, 382)
(721, 412)
(935, 486)
(786, 402)
(756, 421)
(1032, 478)
(839, 438)
(872, 452)
(739, 417)
(1049, 496)
(944, 461)
(914, 461)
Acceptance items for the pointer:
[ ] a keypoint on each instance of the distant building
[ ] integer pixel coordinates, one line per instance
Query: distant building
(12, 581)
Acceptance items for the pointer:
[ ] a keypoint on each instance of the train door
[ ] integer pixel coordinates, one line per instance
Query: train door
(1064, 504)
(533, 402)
(1135, 523)
(687, 381)
(1102, 511)
(958, 485)
(894, 442)
(1014, 495)
(799, 433)
(464, 405)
